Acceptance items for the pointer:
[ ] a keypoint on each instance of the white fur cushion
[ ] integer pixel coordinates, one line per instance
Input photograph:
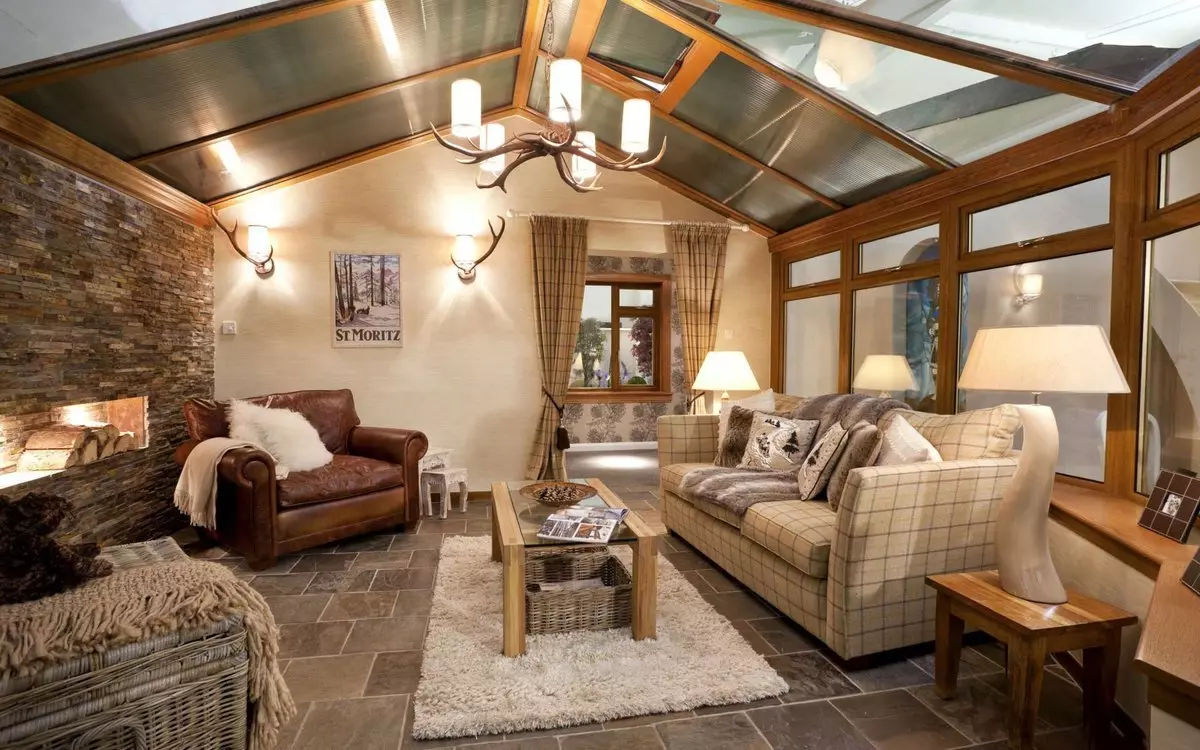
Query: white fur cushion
(902, 444)
(764, 401)
(285, 434)
(778, 443)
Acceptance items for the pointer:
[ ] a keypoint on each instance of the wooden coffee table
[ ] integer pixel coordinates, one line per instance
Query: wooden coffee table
(515, 521)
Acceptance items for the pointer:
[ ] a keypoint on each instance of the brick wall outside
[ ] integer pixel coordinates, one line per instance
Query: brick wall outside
(101, 297)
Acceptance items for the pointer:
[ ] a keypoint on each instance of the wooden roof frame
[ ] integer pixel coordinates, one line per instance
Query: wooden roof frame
(707, 44)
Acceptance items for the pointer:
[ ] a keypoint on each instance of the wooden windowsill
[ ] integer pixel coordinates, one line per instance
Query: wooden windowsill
(1110, 522)
(624, 396)
(1167, 649)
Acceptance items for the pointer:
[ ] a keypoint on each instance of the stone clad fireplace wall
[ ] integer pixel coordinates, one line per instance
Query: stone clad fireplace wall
(102, 297)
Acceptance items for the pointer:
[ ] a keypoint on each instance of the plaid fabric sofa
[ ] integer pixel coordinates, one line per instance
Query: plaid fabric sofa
(855, 578)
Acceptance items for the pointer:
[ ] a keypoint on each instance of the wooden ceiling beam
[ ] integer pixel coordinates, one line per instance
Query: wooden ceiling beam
(356, 96)
(602, 76)
(695, 62)
(201, 34)
(843, 109)
(29, 130)
(342, 162)
(669, 182)
(531, 42)
(583, 31)
(1011, 65)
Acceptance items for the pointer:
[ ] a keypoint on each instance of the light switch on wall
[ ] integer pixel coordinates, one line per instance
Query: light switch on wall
(229, 327)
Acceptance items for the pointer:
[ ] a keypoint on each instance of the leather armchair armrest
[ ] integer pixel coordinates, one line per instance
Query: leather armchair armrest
(184, 450)
(247, 468)
(394, 445)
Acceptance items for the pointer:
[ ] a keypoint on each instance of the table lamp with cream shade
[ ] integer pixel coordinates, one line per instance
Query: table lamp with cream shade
(1039, 359)
(722, 372)
(886, 373)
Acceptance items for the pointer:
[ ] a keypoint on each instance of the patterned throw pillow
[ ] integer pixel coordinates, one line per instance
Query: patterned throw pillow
(902, 444)
(764, 401)
(737, 434)
(862, 449)
(819, 463)
(777, 443)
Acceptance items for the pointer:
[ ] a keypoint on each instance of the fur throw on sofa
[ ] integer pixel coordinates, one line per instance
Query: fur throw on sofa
(32, 564)
(736, 490)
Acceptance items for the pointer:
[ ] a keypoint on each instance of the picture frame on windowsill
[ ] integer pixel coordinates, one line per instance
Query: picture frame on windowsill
(1173, 505)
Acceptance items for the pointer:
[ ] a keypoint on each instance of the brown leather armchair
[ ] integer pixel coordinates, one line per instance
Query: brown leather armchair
(371, 485)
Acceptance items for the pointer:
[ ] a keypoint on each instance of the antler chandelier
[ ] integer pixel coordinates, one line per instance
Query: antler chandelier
(573, 150)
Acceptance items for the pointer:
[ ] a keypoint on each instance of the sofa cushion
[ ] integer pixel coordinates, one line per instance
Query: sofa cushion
(981, 433)
(671, 476)
(345, 476)
(798, 531)
(331, 412)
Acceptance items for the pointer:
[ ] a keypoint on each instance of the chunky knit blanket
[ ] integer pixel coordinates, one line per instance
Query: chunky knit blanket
(139, 603)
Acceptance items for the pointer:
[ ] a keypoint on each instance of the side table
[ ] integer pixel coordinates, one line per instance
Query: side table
(1031, 631)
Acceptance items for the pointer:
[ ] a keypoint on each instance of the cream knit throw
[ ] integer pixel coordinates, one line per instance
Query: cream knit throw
(139, 603)
(196, 490)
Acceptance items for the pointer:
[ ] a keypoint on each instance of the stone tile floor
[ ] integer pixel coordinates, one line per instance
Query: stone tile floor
(353, 619)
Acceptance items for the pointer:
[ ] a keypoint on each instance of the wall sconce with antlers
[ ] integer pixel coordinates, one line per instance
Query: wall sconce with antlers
(260, 252)
(463, 255)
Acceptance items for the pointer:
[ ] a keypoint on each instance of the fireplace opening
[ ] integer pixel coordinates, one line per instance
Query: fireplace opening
(68, 437)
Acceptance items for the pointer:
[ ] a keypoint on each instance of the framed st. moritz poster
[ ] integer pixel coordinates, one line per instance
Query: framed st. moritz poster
(366, 300)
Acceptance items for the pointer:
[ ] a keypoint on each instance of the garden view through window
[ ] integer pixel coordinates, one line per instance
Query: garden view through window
(618, 342)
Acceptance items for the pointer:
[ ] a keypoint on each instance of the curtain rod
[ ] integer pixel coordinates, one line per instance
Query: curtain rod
(654, 222)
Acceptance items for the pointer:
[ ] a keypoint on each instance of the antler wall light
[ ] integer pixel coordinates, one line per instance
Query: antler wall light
(573, 150)
(259, 250)
(463, 254)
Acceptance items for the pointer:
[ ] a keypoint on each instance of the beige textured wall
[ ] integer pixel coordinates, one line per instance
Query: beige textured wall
(467, 374)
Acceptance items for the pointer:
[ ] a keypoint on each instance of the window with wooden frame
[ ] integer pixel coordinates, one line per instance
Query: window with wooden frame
(623, 350)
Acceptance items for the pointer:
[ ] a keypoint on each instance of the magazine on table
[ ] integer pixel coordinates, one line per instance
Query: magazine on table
(583, 523)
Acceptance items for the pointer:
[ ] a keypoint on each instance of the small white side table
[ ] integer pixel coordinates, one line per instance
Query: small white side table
(445, 477)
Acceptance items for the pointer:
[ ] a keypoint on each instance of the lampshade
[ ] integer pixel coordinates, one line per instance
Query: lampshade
(1030, 284)
(491, 137)
(843, 60)
(258, 243)
(464, 249)
(465, 107)
(1042, 359)
(635, 126)
(885, 372)
(582, 169)
(725, 371)
(566, 80)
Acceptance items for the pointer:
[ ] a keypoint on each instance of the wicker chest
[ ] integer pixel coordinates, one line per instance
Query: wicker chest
(178, 690)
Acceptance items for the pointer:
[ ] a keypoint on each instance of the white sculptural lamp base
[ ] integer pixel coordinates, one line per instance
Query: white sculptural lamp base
(1022, 540)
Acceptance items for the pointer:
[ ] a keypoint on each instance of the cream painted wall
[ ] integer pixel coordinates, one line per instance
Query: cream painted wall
(467, 374)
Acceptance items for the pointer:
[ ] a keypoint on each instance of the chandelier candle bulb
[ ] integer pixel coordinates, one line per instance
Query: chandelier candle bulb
(635, 126)
(566, 90)
(466, 101)
(582, 169)
(491, 137)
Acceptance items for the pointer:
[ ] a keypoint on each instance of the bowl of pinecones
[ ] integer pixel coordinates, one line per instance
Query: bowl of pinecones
(558, 494)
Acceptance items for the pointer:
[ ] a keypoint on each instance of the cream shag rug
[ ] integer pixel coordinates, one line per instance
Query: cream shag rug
(469, 689)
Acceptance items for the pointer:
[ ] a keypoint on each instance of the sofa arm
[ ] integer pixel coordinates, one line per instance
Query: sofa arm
(397, 446)
(896, 525)
(687, 439)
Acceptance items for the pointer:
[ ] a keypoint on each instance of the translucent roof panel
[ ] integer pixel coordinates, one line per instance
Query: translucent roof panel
(636, 42)
(1122, 39)
(699, 165)
(284, 147)
(163, 100)
(958, 111)
(804, 140)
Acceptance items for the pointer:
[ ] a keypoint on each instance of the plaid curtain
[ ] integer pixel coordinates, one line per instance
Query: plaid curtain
(699, 251)
(559, 273)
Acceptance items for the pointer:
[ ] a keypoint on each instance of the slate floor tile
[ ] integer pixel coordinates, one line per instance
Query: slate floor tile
(977, 711)
(895, 720)
(723, 732)
(403, 579)
(810, 676)
(312, 638)
(320, 678)
(341, 581)
(359, 605)
(281, 585)
(362, 724)
(312, 563)
(807, 726)
(784, 636)
(897, 674)
(387, 634)
(395, 673)
(639, 738)
(739, 605)
(306, 608)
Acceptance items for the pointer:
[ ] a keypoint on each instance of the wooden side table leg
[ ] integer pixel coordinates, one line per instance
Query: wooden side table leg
(514, 600)
(1026, 668)
(645, 588)
(1100, 689)
(948, 650)
(495, 534)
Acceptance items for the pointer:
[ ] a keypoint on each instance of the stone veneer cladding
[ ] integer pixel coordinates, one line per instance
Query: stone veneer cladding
(102, 297)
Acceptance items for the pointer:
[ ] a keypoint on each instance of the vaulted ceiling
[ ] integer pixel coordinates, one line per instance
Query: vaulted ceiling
(776, 113)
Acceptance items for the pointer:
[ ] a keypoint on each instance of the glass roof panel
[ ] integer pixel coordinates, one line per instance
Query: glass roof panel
(1122, 39)
(560, 17)
(959, 111)
(167, 99)
(635, 41)
(287, 146)
(769, 121)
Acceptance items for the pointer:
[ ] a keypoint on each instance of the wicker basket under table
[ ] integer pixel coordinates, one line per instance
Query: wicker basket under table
(177, 691)
(584, 609)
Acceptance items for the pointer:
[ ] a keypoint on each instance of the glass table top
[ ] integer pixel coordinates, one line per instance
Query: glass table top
(531, 514)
